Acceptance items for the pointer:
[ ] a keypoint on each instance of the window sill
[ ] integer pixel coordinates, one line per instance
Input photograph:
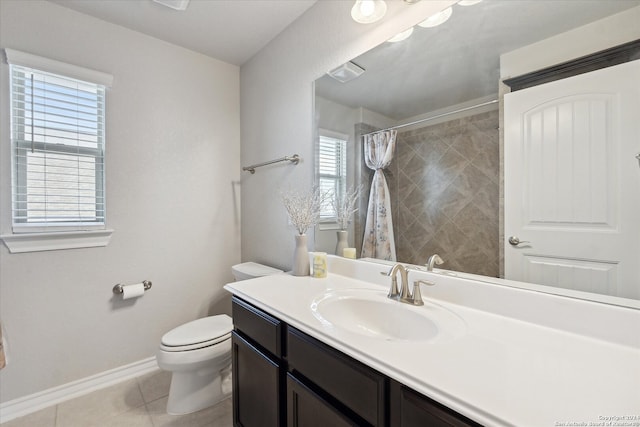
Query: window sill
(36, 242)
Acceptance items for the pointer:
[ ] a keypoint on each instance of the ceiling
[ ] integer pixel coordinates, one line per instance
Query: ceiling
(458, 61)
(229, 30)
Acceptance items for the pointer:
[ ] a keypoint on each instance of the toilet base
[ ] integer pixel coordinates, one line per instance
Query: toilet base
(192, 392)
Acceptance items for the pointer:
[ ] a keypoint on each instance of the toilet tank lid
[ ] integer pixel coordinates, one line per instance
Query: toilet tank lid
(199, 330)
(254, 269)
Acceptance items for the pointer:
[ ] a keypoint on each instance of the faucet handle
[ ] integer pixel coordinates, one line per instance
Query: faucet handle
(394, 293)
(416, 297)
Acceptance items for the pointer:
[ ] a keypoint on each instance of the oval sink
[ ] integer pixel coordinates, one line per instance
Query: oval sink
(372, 314)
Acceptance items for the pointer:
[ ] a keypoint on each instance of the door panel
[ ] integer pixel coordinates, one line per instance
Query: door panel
(572, 190)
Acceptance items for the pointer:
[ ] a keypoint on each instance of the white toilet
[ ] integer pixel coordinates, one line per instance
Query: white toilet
(199, 355)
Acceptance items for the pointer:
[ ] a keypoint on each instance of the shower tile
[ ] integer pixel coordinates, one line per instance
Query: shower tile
(470, 181)
(154, 385)
(430, 152)
(449, 170)
(488, 163)
(43, 418)
(453, 201)
(486, 199)
(413, 169)
(478, 227)
(469, 144)
(100, 404)
(474, 260)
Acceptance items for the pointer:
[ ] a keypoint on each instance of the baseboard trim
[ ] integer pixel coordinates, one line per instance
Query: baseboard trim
(37, 401)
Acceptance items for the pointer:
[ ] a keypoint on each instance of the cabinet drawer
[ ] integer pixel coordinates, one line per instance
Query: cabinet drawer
(264, 329)
(356, 386)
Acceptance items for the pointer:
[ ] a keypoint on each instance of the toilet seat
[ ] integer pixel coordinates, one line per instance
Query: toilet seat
(198, 334)
(195, 346)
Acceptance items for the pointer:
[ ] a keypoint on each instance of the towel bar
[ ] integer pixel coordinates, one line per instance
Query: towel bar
(293, 159)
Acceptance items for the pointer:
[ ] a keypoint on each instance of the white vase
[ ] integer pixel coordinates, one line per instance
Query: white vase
(342, 242)
(301, 256)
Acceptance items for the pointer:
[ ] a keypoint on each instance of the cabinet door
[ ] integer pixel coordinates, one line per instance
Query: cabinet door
(305, 408)
(356, 387)
(256, 386)
(411, 409)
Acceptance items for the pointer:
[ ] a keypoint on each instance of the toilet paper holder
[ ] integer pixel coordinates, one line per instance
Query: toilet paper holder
(117, 289)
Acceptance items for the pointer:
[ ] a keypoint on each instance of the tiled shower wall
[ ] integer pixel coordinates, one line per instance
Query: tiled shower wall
(444, 182)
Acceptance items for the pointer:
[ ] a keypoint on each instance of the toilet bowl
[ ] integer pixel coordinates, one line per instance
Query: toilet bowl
(198, 354)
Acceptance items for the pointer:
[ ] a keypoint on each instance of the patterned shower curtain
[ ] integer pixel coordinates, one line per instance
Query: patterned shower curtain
(378, 241)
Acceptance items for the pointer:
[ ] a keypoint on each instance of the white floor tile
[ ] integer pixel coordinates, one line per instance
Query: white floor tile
(100, 405)
(43, 418)
(154, 385)
(123, 405)
(219, 415)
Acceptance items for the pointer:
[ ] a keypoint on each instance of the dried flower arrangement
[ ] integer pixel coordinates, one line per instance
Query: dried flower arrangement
(304, 207)
(344, 206)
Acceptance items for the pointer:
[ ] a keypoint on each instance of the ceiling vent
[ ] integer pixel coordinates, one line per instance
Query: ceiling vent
(174, 4)
(346, 72)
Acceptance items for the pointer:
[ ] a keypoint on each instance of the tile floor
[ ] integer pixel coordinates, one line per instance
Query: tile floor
(139, 402)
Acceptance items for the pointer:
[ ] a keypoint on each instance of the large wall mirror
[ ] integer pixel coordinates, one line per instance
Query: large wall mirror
(440, 88)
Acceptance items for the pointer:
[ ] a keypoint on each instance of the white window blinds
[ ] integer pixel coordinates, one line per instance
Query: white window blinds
(57, 135)
(332, 171)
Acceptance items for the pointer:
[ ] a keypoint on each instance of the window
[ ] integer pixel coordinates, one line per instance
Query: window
(57, 146)
(332, 169)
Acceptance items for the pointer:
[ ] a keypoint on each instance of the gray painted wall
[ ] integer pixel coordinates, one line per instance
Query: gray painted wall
(173, 155)
(277, 111)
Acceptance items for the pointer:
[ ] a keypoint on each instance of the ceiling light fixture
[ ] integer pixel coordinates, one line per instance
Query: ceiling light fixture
(468, 2)
(174, 4)
(401, 36)
(437, 19)
(368, 11)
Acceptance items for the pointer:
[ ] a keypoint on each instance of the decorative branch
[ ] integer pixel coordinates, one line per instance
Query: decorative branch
(344, 206)
(304, 207)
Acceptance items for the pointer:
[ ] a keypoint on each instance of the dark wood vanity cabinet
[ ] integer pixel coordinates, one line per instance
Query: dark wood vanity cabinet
(411, 409)
(284, 377)
(258, 369)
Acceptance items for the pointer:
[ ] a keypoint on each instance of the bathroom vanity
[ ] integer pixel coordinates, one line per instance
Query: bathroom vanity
(336, 351)
(283, 376)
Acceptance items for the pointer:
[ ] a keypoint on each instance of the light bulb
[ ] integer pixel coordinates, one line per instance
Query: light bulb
(368, 11)
(367, 8)
(437, 19)
(401, 36)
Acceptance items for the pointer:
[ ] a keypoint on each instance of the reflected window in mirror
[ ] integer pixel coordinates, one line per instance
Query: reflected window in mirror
(331, 171)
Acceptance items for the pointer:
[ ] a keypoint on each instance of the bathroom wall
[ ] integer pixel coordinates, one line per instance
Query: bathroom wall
(444, 185)
(173, 162)
(276, 110)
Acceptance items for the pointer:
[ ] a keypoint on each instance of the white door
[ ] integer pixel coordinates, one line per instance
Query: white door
(572, 182)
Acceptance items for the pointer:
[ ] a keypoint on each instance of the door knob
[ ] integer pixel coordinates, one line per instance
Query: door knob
(515, 241)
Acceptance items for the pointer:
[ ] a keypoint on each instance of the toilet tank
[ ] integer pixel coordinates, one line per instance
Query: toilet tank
(251, 270)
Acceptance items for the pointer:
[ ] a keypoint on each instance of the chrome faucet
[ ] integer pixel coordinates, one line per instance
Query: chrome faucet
(394, 293)
(403, 295)
(434, 259)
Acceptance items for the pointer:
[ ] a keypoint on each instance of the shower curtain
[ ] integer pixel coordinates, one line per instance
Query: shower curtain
(378, 241)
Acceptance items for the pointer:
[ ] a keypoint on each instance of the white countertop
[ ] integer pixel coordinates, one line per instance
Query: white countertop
(501, 371)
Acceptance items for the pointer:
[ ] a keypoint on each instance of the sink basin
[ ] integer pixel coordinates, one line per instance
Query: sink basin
(370, 313)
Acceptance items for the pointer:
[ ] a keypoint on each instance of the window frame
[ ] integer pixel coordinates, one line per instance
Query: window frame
(25, 237)
(330, 223)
